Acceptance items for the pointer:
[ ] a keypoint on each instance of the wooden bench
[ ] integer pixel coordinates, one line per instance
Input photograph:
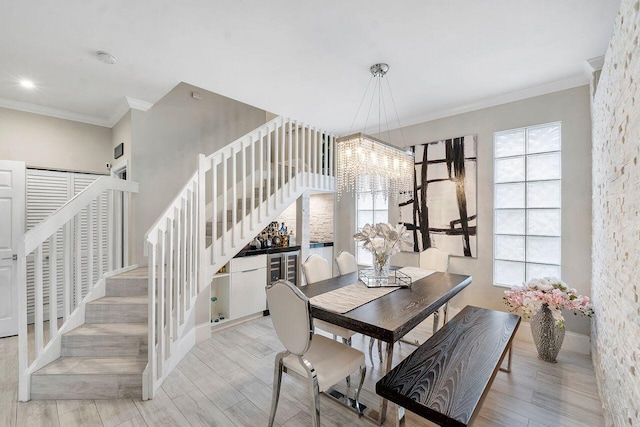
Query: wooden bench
(447, 378)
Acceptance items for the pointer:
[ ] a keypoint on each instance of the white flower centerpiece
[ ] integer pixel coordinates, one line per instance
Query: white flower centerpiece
(383, 240)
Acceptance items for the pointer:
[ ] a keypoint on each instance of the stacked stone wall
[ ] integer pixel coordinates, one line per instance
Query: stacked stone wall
(616, 222)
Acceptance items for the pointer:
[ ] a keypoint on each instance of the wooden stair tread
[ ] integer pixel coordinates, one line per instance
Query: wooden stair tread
(120, 329)
(123, 365)
(140, 272)
(142, 300)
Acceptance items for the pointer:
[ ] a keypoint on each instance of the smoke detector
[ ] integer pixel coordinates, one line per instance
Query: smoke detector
(107, 58)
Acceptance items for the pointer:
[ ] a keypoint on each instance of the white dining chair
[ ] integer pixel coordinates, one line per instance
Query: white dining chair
(346, 263)
(322, 361)
(316, 269)
(434, 259)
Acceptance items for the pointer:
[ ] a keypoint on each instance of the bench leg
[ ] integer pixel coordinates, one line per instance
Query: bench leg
(508, 368)
(436, 320)
(400, 420)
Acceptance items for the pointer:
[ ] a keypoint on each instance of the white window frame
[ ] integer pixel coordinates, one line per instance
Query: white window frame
(359, 199)
(528, 264)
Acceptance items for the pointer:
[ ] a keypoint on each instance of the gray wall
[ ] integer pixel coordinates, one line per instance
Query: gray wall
(166, 141)
(571, 107)
(121, 134)
(52, 143)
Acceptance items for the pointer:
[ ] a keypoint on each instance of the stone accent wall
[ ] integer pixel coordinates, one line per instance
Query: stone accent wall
(321, 218)
(616, 222)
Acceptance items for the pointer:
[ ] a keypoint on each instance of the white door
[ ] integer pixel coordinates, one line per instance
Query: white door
(12, 201)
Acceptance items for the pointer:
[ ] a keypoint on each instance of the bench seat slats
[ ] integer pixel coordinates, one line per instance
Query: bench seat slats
(446, 379)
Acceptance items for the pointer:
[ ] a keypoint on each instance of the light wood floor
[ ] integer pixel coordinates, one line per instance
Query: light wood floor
(226, 381)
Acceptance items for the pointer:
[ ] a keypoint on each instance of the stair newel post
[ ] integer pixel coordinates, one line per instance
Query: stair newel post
(316, 153)
(252, 144)
(332, 157)
(190, 243)
(243, 182)
(234, 195)
(224, 206)
(276, 167)
(261, 174)
(90, 251)
(296, 154)
(78, 261)
(184, 288)
(110, 232)
(68, 280)
(151, 318)
(283, 172)
(161, 294)
(309, 147)
(24, 383)
(170, 284)
(290, 164)
(214, 204)
(268, 187)
(53, 286)
(200, 219)
(38, 305)
(100, 226)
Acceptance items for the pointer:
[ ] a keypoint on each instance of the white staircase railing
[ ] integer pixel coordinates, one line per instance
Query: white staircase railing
(73, 249)
(246, 185)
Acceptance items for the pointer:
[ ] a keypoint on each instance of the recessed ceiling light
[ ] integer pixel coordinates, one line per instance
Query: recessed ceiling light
(27, 84)
(107, 58)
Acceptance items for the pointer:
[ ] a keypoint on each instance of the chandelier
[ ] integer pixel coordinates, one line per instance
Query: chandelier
(368, 164)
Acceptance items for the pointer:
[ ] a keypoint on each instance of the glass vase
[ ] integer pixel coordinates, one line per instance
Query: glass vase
(547, 335)
(381, 269)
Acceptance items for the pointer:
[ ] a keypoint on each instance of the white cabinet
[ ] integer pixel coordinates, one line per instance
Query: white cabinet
(244, 293)
(247, 292)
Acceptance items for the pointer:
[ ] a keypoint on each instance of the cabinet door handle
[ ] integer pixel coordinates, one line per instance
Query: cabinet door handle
(248, 271)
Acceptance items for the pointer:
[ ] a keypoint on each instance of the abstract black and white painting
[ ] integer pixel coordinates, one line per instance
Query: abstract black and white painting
(441, 212)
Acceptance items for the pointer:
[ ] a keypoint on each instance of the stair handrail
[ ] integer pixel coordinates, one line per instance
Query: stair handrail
(34, 240)
(179, 263)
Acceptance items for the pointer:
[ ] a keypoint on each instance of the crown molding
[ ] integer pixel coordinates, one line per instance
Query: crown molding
(570, 83)
(124, 106)
(53, 112)
(595, 64)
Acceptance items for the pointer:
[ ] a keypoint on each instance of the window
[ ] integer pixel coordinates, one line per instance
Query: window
(369, 210)
(527, 208)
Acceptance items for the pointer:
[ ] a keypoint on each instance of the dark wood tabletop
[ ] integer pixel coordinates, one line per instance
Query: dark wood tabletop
(390, 317)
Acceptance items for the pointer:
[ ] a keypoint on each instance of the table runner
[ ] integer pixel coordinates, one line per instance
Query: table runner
(349, 297)
(416, 273)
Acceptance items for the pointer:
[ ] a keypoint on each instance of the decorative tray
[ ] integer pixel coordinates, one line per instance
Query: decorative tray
(394, 278)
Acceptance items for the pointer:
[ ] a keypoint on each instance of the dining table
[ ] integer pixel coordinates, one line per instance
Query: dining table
(389, 317)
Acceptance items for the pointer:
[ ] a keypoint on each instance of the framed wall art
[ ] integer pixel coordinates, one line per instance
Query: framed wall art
(442, 211)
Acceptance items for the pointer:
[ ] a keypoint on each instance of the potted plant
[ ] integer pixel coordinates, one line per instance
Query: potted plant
(542, 300)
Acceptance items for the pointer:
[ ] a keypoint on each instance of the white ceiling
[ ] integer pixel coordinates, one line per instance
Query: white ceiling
(305, 59)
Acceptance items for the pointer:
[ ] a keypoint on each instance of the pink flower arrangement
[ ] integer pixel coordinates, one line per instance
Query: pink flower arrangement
(549, 291)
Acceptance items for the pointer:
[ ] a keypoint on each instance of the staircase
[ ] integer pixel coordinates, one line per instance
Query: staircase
(124, 336)
(105, 357)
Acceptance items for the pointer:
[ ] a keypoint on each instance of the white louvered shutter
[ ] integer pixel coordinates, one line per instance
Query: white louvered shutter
(46, 192)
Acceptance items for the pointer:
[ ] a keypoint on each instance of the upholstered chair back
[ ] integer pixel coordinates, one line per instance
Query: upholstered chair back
(346, 263)
(316, 268)
(291, 316)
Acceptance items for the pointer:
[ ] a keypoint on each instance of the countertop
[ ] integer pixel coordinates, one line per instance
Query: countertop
(250, 252)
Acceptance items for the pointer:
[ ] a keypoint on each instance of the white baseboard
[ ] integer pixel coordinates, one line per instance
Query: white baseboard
(203, 332)
(578, 343)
